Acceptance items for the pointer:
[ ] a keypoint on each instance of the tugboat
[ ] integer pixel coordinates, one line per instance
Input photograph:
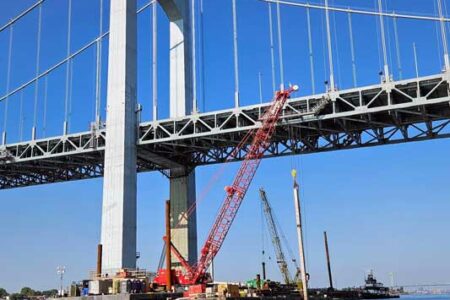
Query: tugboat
(371, 290)
(374, 289)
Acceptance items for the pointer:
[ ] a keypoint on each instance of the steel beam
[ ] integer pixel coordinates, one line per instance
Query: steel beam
(419, 110)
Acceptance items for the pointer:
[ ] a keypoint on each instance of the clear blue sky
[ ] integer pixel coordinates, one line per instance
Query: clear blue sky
(384, 208)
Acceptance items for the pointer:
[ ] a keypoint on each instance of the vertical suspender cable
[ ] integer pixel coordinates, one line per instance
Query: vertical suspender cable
(236, 62)
(155, 59)
(44, 123)
(194, 66)
(98, 80)
(21, 118)
(66, 102)
(38, 58)
(69, 122)
(438, 45)
(311, 56)
(336, 46)
(388, 40)
(387, 77)
(415, 60)
(272, 54)
(330, 50)
(280, 46)
(260, 87)
(8, 83)
(324, 50)
(352, 48)
(444, 37)
(202, 56)
(397, 48)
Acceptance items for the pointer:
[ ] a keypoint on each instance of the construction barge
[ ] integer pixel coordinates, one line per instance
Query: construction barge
(194, 281)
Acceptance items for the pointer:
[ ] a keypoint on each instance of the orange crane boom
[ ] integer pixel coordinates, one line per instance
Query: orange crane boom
(235, 193)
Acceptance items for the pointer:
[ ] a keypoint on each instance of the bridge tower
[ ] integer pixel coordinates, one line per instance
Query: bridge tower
(182, 182)
(118, 232)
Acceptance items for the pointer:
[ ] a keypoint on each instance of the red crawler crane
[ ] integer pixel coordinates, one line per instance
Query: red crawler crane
(234, 195)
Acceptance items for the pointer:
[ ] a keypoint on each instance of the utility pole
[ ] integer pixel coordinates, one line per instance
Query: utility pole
(168, 249)
(60, 270)
(330, 277)
(301, 249)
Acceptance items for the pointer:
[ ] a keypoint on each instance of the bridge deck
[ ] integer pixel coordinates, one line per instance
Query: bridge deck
(402, 111)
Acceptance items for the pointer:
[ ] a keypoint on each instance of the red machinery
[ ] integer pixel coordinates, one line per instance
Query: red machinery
(235, 193)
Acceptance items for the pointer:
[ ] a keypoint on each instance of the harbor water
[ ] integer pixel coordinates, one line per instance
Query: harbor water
(425, 297)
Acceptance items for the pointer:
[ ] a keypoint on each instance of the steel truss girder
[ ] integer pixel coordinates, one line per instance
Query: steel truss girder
(387, 113)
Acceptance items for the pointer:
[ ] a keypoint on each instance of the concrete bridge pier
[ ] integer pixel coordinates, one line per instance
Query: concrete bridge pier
(182, 182)
(118, 232)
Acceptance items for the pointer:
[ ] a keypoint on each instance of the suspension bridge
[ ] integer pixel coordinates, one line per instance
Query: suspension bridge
(116, 145)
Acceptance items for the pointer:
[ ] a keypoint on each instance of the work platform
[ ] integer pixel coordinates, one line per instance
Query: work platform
(387, 113)
(153, 296)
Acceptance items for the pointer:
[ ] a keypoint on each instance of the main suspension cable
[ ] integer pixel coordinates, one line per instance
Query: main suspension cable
(21, 15)
(357, 11)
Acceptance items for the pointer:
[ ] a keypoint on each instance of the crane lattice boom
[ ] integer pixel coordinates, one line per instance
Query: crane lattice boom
(235, 193)
(275, 236)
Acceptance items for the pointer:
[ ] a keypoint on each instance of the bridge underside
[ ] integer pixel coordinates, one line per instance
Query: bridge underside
(404, 111)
